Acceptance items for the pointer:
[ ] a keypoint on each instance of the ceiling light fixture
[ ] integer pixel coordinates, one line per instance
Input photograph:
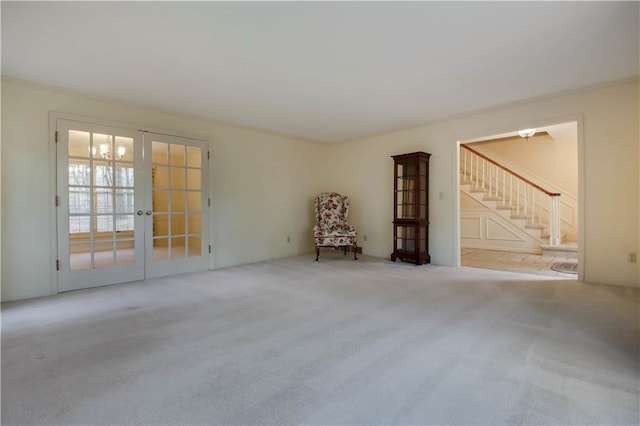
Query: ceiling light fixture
(527, 133)
(105, 151)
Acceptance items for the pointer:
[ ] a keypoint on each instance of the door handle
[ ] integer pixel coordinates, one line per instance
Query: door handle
(139, 212)
(149, 212)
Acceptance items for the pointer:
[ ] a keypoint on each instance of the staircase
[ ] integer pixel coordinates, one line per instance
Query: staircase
(519, 201)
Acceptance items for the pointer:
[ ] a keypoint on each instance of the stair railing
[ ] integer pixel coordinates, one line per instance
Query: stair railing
(526, 199)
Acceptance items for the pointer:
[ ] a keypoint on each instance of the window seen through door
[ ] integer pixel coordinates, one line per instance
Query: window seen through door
(101, 200)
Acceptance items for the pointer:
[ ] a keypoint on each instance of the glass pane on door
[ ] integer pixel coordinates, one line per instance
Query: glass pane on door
(405, 191)
(405, 239)
(100, 200)
(176, 200)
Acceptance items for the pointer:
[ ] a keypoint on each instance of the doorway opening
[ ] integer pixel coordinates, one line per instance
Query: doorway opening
(519, 204)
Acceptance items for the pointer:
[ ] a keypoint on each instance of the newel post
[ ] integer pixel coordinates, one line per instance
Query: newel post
(554, 221)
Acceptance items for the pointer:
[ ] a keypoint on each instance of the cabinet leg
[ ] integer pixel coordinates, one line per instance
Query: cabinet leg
(317, 253)
(355, 252)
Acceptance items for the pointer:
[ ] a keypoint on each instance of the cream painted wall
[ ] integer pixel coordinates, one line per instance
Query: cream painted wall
(554, 158)
(608, 144)
(363, 170)
(262, 185)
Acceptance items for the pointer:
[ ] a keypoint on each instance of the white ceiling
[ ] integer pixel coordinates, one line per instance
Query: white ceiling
(324, 71)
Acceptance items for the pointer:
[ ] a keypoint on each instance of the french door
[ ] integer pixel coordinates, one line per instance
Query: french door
(131, 205)
(177, 204)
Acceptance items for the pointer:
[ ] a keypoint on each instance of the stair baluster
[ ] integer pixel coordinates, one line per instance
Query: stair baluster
(511, 190)
(519, 193)
(504, 187)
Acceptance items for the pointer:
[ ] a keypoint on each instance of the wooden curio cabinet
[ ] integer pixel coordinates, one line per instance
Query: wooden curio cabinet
(411, 208)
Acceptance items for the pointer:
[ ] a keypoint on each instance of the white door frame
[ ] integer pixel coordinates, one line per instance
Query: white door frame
(455, 177)
(54, 116)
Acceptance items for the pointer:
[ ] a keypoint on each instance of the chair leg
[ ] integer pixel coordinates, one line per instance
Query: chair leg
(317, 253)
(345, 250)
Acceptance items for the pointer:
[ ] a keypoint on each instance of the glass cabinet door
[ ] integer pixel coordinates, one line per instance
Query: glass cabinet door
(406, 238)
(423, 190)
(406, 190)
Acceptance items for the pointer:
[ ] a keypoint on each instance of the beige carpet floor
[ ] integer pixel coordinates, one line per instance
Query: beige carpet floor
(292, 341)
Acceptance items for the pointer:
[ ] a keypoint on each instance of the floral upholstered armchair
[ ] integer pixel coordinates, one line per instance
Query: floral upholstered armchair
(332, 228)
